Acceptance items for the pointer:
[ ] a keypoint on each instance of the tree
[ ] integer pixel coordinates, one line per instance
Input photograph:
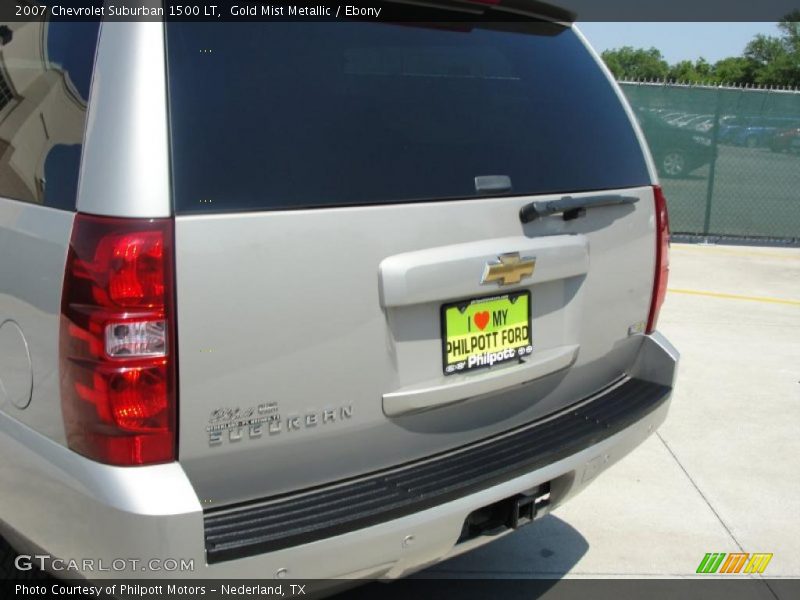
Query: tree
(636, 63)
(764, 49)
(790, 27)
(735, 70)
(777, 59)
(767, 60)
(692, 72)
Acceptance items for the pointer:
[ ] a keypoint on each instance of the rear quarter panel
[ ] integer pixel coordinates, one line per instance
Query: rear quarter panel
(33, 251)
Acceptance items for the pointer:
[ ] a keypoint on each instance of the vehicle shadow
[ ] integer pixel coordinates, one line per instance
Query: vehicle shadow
(535, 558)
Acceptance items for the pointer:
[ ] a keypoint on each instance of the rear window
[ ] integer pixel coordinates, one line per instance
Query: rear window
(286, 115)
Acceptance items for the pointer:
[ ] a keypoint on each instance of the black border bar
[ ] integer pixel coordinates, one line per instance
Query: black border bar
(400, 10)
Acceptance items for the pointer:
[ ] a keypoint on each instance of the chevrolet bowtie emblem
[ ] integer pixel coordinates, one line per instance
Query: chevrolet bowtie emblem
(509, 269)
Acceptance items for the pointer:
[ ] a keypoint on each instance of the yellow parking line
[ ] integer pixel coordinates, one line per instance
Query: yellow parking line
(736, 297)
(732, 252)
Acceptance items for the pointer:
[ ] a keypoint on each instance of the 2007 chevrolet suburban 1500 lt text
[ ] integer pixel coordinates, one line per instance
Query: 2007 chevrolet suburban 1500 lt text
(279, 297)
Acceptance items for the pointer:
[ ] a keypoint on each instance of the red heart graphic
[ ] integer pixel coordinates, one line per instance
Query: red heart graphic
(481, 319)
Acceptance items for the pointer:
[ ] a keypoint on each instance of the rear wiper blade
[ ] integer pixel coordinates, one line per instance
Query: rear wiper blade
(571, 207)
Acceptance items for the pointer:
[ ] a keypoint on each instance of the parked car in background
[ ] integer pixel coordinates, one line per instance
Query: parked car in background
(756, 132)
(691, 121)
(702, 123)
(676, 151)
(678, 119)
(729, 126)
(787, 140)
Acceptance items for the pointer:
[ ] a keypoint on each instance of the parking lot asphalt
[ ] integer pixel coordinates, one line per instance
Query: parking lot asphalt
(723, 473)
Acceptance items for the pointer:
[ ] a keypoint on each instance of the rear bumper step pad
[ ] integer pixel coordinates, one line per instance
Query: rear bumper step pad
(306, 516)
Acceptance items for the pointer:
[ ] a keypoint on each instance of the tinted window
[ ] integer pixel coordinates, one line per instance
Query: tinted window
(45, 71)
(286, 115)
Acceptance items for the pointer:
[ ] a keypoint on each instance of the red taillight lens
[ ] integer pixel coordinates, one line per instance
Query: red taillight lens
(662, 258)
(137, 275)
(117, 347)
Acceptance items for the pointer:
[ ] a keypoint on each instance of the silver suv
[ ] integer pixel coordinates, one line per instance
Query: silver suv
(317, 299)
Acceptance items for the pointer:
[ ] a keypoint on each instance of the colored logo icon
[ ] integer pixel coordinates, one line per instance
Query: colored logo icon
(736, 562)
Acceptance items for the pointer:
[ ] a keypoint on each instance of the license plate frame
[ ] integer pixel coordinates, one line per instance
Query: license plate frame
(501, 352)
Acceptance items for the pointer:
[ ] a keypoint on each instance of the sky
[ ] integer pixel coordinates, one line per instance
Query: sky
(678, 41)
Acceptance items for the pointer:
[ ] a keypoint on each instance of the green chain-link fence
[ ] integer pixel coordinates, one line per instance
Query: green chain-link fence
(728, 158)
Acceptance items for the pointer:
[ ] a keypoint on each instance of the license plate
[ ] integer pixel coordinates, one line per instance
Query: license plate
(484, 332)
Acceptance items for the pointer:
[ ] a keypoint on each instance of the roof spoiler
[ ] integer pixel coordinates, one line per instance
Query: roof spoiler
(534, 8)
(527, 8)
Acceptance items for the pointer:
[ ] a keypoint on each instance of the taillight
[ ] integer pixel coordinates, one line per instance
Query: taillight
(117, 346)
(662, 258)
